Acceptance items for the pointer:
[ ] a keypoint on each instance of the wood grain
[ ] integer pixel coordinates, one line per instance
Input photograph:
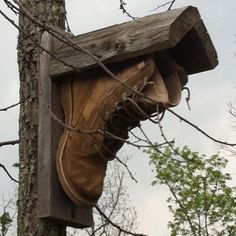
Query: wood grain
(137, 38)
(53, 204)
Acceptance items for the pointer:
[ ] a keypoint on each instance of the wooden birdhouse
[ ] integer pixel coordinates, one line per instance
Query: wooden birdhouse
(181, 32)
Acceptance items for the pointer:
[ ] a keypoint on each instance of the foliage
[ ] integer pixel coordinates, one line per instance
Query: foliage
(8, 210)
(5, 222)
(201, 201)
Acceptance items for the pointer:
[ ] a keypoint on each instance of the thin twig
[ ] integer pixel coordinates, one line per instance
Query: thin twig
(9, 175)
(122, 7)
(11, 106)
(115, 225)
(158, 145)
(127, 168)
(162, 5)
(16, 104)
(68, 29)
(109, 134)
(95, 131)
(70, 128)
(37, 44)
(63, 37)
(12, 142)
(170, 143)
(182, 207)
(200, 130)
(171, 5)
(11, 6)
(187, 99)
(92, 132)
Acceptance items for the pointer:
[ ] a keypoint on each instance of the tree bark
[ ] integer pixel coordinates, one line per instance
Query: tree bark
(52, 11)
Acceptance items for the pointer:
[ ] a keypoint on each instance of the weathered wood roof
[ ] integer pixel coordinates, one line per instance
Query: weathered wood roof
(180, 31)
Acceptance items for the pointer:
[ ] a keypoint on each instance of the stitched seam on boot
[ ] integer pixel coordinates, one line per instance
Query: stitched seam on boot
(75, 124)
(67, 185)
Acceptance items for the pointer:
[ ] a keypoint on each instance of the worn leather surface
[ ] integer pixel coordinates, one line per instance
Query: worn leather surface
(87, 104)
(111, 108)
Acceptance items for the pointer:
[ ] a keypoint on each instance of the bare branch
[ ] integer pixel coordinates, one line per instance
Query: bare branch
(96, 131)
(162, 5)
(63, 37)
(115, 225)
(70, 128)
(110, 135)
(68, 29)
(200, 130)
(11, 106)
(170, 143)
(127, 168)
(180, 205)
(37, 44)
(171, 5)
(7, 172)
(155, 145)
(92, 132)
(122, 7)
(11, 6)
(187, 99)
(12, 142)
(16, 104)
(71, 43)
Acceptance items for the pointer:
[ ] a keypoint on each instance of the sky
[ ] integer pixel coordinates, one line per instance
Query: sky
(210, 94)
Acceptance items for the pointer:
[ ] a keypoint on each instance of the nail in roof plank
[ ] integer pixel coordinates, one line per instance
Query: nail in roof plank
(146, 35)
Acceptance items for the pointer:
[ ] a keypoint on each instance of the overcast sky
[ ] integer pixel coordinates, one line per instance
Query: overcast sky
(210, 93)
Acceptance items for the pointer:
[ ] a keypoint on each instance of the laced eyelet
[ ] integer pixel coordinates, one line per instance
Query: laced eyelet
(124, 96)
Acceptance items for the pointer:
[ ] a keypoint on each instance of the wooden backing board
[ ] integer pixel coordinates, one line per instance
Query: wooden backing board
(53, 204)
(150, 34)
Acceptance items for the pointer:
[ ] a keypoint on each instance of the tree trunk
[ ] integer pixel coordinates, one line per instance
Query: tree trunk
(50, 11)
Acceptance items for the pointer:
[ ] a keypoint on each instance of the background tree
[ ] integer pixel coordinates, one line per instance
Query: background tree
(202, 203)
(8, 212)
(115, 204)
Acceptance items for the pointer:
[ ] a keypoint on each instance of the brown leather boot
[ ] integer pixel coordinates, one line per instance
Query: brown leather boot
(161, 91)
(82, 156)
(172, 75)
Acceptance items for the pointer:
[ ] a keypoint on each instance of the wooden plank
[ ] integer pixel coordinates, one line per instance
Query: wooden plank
(195, 51)
(206, 42)
(132, 39)
(53, 204)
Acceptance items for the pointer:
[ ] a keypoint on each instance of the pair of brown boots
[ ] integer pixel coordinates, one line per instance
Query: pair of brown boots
(103, 110)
